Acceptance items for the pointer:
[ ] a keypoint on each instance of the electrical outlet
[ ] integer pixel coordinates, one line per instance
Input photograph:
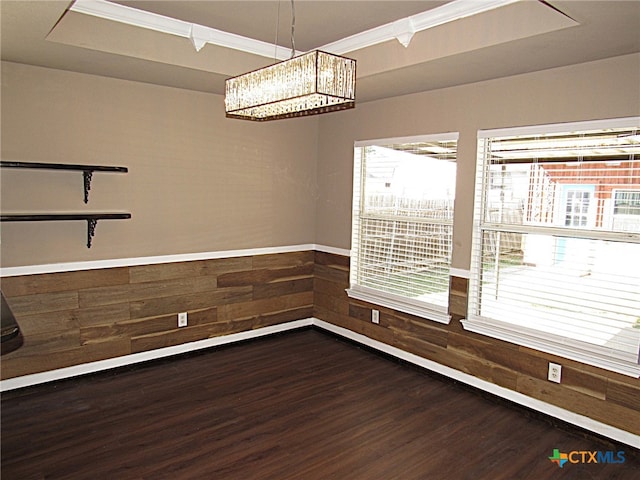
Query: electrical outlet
(182, 319)
(555, 372)
(375, 316)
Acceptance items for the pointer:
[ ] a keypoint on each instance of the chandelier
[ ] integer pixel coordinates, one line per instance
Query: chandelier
(309, 84)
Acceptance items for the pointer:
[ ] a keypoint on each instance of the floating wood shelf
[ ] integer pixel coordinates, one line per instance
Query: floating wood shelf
(91, 219)
(87, 170)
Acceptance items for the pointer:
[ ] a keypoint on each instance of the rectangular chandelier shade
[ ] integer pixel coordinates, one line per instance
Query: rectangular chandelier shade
(309, 84)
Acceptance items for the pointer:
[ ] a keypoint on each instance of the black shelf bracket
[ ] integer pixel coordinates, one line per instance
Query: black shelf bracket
(91, 230)
(86, 175)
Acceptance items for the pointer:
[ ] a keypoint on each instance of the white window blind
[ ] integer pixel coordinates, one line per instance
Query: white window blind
(556, 247)
(403, 197)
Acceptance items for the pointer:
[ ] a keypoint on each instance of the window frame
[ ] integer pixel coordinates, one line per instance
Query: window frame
(587, 353)
(394, 301)
(632, 191)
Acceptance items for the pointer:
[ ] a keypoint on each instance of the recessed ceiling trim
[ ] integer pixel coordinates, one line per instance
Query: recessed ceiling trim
(131, 16)
(402, 30)
(198, 34)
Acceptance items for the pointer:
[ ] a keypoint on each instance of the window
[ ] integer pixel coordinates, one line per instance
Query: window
(402, 225)
(626, 210)
(556, 248)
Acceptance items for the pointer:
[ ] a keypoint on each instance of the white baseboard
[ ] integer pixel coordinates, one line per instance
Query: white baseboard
(573, 418)
(100, 365)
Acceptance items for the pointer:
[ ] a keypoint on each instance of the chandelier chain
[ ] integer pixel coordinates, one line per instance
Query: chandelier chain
(293, 29)
(275, 45)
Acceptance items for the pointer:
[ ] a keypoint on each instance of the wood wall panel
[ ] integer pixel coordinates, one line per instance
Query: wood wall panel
(408, 325)
(72, 318)
(268, 305)
(129, 328)
(328, 287)
(482, 368)
(605, 396)
(497, 352)
(50, 342)
(273, 318)
(283, 287)
(164, 271)
(458, 293)
(43, 303)
(148, 290)
(335, 262)
(63, 281)
(422, 348)
(101, 315)
(579, 380)
(333, 303)
(334, 274)
(284, 260)
(45, 322)
(623, 394)
(26, 360)
(263, 275)
(174, 336)
(183, 303)
(601, 410)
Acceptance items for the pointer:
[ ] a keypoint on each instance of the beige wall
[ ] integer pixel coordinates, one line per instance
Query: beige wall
(197, 181)
(596, 90)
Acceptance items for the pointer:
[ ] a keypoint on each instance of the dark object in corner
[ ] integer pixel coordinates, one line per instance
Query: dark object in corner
(11, 337)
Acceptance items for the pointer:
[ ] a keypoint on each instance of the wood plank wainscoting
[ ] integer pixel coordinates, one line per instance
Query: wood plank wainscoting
(76, 317)
(71, 318)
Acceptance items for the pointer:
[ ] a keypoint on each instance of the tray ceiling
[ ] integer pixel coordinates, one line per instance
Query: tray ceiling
(517, 37)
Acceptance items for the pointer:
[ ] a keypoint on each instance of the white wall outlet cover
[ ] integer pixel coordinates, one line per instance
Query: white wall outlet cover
(555, 372)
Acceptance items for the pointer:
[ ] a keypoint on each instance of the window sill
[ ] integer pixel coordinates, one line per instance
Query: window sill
(425, 310)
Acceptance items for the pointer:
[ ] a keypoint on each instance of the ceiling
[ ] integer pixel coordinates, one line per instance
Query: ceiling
(519, 37)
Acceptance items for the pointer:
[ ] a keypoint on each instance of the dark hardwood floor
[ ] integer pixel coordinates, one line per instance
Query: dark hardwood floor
(302, 405)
